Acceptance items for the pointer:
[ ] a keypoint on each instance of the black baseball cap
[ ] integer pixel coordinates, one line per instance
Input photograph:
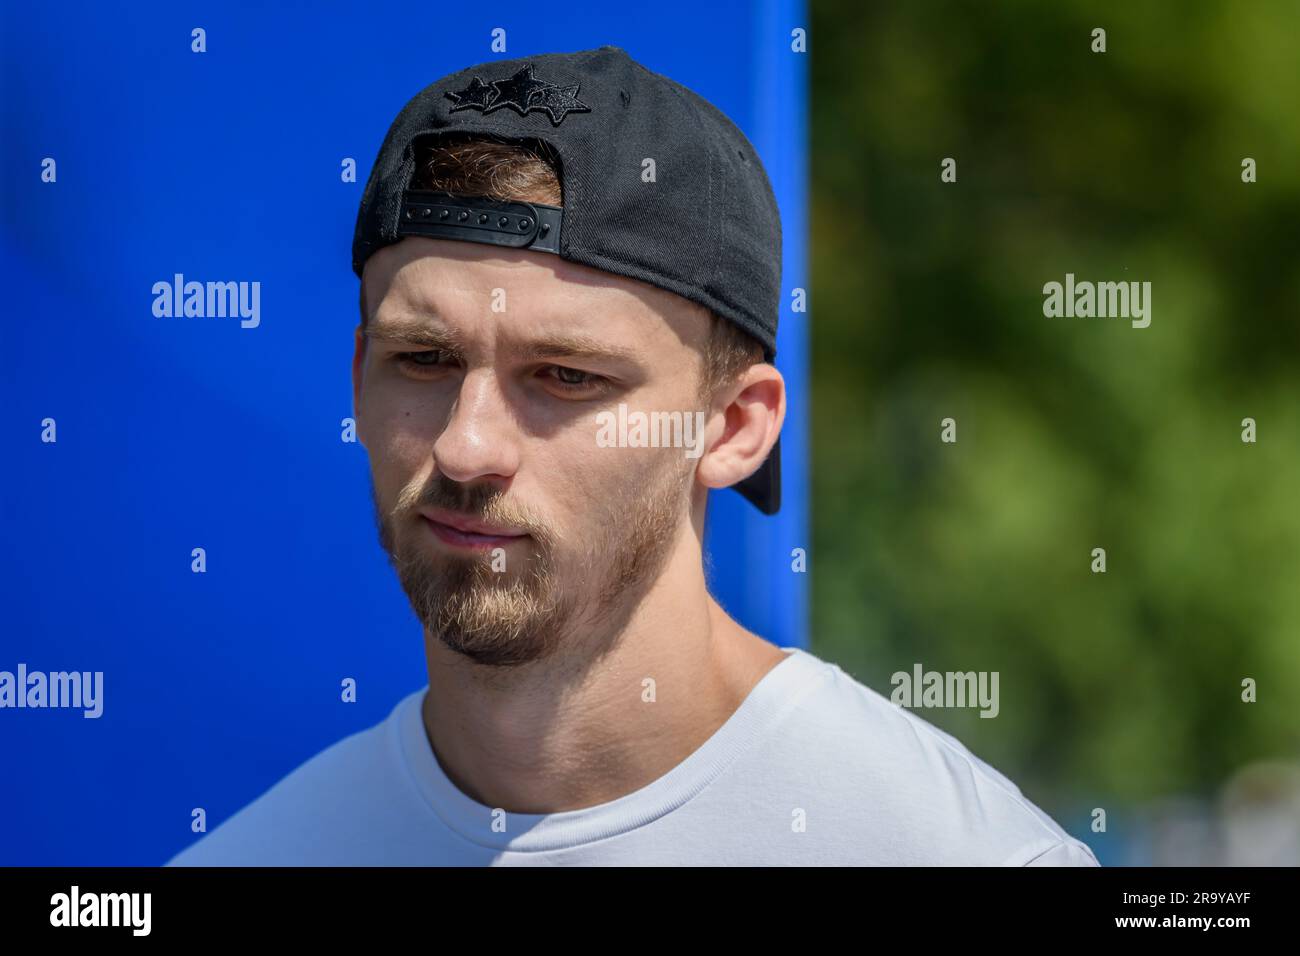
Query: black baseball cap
(705, 226)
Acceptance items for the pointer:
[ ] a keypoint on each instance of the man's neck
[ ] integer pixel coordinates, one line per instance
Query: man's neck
(580, 728)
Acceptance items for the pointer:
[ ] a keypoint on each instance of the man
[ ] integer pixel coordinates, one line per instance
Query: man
(549, 248)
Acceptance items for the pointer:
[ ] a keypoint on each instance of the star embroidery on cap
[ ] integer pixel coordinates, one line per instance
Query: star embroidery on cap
(559, 101)
(475, 96)
(523, 93)
(517, 91)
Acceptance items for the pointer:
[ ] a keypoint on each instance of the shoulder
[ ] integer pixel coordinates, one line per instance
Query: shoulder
(897, 773)
(315, 810)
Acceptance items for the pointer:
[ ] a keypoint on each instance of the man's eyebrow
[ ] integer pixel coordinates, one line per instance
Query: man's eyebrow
(415, 333)
(560, 345)
(577, 346)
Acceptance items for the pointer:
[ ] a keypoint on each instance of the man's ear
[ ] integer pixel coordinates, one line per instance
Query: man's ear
(358, 374)
(745, 429)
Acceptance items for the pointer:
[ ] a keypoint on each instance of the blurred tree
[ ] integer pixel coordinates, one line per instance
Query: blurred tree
(1072, 433)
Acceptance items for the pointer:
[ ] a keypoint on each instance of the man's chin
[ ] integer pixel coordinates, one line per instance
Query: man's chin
(493, 618)
(498, 633)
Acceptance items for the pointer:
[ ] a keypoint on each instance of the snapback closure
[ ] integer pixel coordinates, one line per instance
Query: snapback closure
(518, 225)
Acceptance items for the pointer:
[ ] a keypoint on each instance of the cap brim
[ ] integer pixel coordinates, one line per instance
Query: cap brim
(763, 487)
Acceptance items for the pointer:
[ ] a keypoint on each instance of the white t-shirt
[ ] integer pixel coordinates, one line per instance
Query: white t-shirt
(813, 768)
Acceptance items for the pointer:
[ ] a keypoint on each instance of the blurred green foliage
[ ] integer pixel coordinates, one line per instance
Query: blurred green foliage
(1073, 433)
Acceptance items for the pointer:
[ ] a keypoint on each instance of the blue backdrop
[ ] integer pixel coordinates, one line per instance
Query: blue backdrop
(177, 434)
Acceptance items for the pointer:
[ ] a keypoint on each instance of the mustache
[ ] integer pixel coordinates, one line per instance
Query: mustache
(482, 502)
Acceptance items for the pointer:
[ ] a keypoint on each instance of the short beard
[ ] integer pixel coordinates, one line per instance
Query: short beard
(514, 617)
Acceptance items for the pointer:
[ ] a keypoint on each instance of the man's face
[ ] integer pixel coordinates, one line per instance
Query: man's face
(477, 389)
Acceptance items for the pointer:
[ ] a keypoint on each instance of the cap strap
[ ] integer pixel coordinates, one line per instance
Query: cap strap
(521, 225)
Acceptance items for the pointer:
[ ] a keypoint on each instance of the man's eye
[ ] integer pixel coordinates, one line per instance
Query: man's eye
(575, 380)
(431, 358)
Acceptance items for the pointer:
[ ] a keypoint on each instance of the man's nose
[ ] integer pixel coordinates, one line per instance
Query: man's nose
(481, 437)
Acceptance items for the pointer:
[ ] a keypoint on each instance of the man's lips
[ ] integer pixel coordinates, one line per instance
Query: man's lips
(467, 532)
